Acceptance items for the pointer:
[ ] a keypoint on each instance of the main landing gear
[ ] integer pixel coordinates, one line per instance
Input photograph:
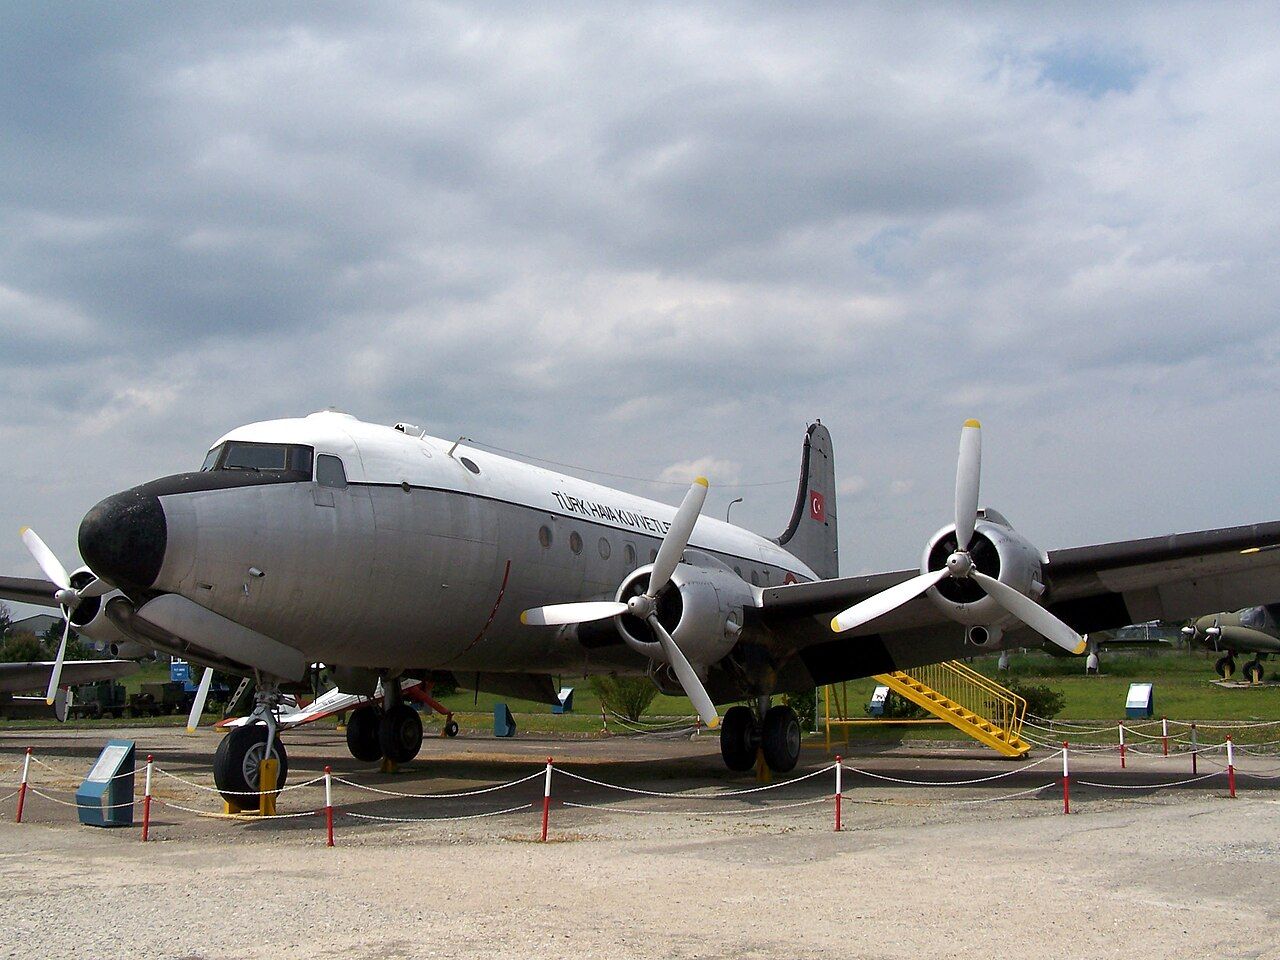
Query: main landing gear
(771, 732)
(1253, 671)
(393, 731)
(237, 761)
(1225, 667)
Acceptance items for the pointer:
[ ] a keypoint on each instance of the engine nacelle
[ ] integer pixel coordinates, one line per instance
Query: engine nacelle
(702, 610)
(102, 631)
(998, 551)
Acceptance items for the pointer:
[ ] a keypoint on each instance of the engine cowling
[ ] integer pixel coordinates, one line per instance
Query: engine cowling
(90, 620)
(702, 610)
(997, 550)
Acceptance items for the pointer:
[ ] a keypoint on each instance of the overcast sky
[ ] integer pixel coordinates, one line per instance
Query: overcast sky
(655, 239)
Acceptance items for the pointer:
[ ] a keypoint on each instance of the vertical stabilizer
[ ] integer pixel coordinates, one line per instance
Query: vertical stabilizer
(811, 534)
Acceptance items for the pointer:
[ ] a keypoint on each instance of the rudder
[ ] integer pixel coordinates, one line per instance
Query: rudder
(811, 534)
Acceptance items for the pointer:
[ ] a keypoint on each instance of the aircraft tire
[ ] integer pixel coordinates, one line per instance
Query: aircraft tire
(1253, 671)
(400, 733)
(1225, 667)
(739, 737)
(780, 739)
(235, 763)
(451, 728)
(363, 739)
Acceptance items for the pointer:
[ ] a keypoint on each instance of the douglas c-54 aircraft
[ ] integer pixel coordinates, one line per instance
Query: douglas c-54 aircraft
(389, 555)
(1251, 630)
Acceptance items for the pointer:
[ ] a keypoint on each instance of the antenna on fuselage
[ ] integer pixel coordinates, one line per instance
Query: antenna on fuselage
(455, 445)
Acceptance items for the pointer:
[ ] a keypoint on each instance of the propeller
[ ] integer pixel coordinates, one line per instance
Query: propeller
(68, 597)
(960, 565)
(202, 695)
(645, 605)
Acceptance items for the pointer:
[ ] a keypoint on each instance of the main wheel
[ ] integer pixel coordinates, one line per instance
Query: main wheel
(1253, 671)
(235, 763)
(400, 733)
(739, 738)
(1225, 667)
(362, 734)
(780, 739)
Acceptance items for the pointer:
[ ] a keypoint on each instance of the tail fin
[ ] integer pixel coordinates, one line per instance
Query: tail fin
(811, 534)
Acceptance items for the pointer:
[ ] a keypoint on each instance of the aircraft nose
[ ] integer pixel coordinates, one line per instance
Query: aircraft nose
(123, 539)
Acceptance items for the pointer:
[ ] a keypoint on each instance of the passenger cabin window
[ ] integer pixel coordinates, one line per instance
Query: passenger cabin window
(330, 472)
(260, 458)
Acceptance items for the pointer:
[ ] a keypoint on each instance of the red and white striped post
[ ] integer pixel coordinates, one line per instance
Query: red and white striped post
(328, 805)
(1122, 763)
(1164, 734)
(1066, 780)
(546, 801)
(1231, 767)
(146, 800)
(839, 791)
(604, 721)
(1195, 751)
(22, 790)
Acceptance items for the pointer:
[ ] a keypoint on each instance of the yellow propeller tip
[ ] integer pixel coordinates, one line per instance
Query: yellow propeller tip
(191, 729)
(701, 480)
(22, 531)
(48, 701)
(713, 724)
(1084, 644)
(524, 616)
(973, 423)
(835, 624)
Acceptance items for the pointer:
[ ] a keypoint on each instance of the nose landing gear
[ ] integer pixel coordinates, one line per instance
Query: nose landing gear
(237, 763)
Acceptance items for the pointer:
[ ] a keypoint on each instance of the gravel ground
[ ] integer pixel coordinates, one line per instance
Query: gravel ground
(1170, 873)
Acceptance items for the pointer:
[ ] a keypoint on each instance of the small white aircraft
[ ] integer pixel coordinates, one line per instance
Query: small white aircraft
(387, 554)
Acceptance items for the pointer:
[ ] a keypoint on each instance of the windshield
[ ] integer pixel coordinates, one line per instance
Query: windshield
(260, 457)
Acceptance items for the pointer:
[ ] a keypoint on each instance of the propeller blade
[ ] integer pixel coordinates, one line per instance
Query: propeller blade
(94, 588)
(54, 677)
(877, 605)
(558, 614)
(968, 475)
(677, 538)
(202, 695)
(689, 682)
(1031, 613)
(48, 563)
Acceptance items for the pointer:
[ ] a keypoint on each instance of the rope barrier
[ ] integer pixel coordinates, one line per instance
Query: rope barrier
(240, 793)
(1144, 786)
(890, 801)
(698, 813)
(954, 783)
(694, 796)
(436, 796)
(470, 816)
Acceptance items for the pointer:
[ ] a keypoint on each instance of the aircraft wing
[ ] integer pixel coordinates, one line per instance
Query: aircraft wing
(24, 590)
(1091, 588)
(34, 675)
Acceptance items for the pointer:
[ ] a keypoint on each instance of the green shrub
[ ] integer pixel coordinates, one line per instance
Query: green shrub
(802, 702)
(628, 697)
(1041, 700)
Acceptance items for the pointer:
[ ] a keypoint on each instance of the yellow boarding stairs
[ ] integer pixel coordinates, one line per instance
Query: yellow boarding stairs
(954, 693)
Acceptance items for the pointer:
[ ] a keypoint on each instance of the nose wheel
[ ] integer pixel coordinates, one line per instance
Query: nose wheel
(236, 764)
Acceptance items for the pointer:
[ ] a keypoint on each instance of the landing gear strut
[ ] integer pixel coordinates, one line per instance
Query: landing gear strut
(1253, 671)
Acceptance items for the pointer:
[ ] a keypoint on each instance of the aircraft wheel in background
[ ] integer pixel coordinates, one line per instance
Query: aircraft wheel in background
(1225, 667)
(235, 763)
(362, 734)
(451, 728)
(1253, 671)
(780, 739)
(739, 738)
(400, 733)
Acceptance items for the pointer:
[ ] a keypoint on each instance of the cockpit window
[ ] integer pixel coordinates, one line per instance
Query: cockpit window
(330, 472)
(260, 457)
(1255, 618)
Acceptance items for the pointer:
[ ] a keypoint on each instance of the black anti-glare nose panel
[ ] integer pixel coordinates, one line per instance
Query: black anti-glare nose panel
(123, 539)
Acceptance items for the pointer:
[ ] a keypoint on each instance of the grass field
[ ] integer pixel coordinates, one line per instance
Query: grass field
(1183, 691)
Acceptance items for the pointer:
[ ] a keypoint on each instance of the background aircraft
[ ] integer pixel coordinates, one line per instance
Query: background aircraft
(390, 555)
(1251, 630)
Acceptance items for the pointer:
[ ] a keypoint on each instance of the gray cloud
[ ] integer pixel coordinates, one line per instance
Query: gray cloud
(639, 238)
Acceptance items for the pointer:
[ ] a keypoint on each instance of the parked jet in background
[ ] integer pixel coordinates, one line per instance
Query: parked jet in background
(1251, 630)
(387, 554)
